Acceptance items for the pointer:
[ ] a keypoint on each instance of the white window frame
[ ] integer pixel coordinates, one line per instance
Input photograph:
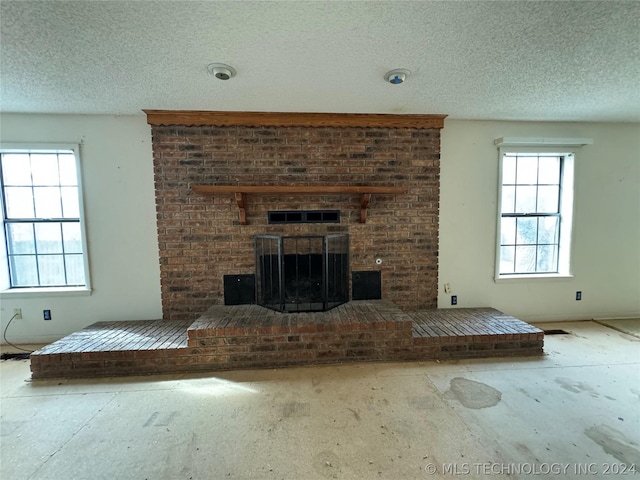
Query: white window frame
(545, 146)
(6, 291)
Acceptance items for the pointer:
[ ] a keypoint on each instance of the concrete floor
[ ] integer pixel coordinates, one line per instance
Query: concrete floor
(578, 407)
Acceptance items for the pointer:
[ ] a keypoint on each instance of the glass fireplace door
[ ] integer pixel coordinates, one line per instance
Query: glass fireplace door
(336, 250)
(269, 291)
(303, 273)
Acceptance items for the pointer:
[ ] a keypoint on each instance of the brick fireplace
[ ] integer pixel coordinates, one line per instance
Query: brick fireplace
(201, 237)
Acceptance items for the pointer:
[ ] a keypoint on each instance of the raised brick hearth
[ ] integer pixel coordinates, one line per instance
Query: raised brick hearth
(235, 337)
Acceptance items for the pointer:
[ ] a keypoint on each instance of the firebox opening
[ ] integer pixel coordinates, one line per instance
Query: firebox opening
(302, 274)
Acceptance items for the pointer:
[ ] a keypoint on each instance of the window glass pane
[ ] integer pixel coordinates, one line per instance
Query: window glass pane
(548, 198)
(509, 170)
(75, 269)
(547, 259)
(508, 199)
(24, 272)
(51, 269)
(548, 230)
(20, 238)
(508, 231)
(47, 202)
(44, 169)
(16, 169)
(19, 202)
(527, 170)
(48, 238)
(526, 199)
(71, 237)
(525, 259)
(68, 175)
(527, 231)
(507, 255)
(549, 170)
(70, 205)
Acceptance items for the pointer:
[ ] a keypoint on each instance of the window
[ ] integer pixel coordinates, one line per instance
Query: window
(42, 218)
(534, 228)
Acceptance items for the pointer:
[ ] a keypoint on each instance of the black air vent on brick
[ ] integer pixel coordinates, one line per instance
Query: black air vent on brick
(366, 285)
(304, 216)
(239, 289)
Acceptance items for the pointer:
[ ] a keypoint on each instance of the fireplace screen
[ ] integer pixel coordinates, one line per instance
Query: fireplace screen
(302, 274)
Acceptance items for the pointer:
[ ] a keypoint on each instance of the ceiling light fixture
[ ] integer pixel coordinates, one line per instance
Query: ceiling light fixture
(221, 71)
(397, 76)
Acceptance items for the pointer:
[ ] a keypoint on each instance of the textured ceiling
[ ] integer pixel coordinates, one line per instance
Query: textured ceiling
(510, 60)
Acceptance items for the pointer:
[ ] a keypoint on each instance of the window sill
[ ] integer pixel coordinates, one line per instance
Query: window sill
(526, 278)
(45, 292)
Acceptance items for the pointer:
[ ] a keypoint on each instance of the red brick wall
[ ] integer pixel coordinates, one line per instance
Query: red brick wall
(200, 238)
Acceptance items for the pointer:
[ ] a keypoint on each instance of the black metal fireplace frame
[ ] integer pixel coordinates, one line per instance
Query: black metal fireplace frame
(273, 273)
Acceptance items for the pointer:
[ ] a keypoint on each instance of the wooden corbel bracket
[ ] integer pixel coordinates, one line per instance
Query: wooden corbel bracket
(365, 198)
(241, 211)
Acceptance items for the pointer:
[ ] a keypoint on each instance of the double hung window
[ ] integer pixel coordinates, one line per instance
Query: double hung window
(534, 225)
(42, 218)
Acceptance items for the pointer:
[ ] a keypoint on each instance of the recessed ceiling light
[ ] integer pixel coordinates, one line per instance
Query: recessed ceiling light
(221, 71)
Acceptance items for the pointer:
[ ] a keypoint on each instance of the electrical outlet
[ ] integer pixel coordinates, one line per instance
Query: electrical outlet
(46, 314)
(578, 295)
(17, 314)
(454, 299)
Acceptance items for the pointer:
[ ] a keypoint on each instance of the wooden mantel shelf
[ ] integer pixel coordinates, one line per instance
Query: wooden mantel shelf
(239, 191)
(292, 119)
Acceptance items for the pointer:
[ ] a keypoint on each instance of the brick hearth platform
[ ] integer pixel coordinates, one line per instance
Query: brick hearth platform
(235, 337)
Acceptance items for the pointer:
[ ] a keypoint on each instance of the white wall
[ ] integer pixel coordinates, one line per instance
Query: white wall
(606, 247)
(121, 228)
(117, 171)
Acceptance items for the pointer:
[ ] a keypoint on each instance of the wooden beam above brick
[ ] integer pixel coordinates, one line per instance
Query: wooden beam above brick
(291, 119)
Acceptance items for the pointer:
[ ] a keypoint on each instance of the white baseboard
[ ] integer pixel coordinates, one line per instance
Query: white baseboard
(573, 317)
(552, 318)
(32, 339)
(634, 317)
